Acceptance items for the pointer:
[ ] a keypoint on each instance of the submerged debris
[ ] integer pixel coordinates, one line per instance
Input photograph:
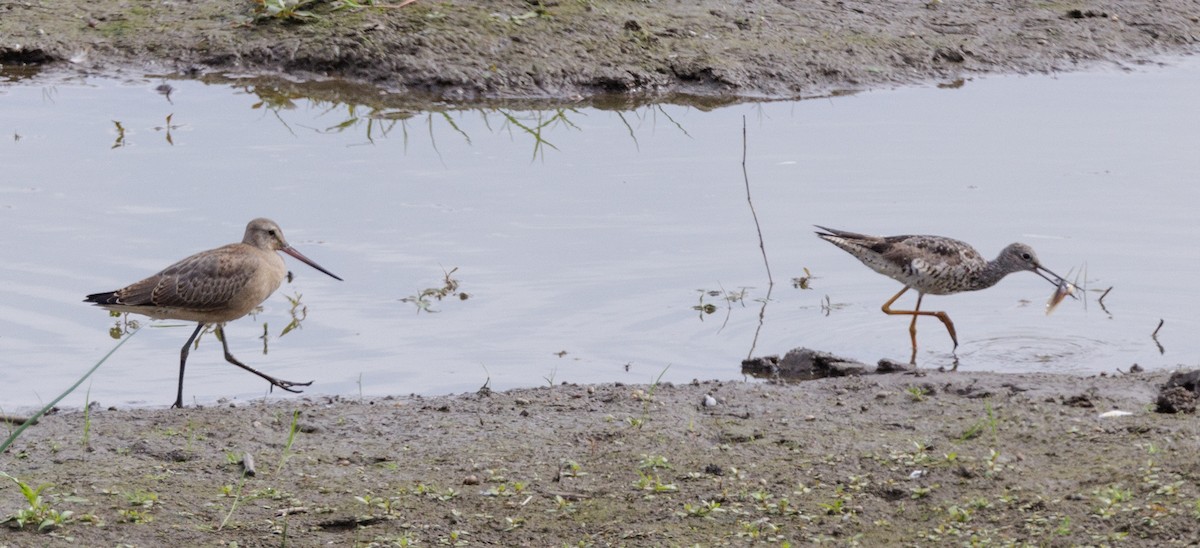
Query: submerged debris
(807, 364)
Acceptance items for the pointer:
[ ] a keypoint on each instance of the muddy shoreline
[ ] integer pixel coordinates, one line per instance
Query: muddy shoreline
(572, 51)
(899, 459)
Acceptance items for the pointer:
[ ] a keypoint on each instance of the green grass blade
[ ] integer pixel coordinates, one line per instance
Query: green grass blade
(16, 433)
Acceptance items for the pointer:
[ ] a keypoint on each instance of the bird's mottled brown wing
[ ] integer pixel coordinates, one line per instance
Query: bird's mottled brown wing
(944, 252)
(204, 281)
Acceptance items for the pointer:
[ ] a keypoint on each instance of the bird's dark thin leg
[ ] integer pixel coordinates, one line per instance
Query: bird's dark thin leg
(285, 385)
(912, 327)
(183, 361)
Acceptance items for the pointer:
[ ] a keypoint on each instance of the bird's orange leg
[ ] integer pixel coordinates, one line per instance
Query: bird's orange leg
(912, 327)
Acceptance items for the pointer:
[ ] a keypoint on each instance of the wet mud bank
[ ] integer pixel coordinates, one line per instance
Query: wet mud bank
(567, 50)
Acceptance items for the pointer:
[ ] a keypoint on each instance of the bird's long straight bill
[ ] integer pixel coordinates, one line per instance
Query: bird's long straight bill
(1040, 270)
(290, 251)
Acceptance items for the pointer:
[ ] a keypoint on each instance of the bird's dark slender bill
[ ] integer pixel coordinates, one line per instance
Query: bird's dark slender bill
(291, 251)
(1042, 271)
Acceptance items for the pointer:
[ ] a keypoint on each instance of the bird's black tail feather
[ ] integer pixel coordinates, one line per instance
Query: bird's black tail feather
(108, 297)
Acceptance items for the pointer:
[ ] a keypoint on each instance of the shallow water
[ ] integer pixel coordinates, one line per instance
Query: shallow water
(584, 254)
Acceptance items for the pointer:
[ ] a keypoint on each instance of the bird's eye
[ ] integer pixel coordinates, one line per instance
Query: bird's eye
(271, 232)
(1025, 256)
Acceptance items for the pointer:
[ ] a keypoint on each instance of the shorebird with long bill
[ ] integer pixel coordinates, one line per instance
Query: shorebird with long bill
(213, 287)
(936, 265)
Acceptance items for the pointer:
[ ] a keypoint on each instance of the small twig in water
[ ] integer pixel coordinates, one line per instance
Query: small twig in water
(746, 177)
(486, 389)
(761, 245)
(1154, 336)
(728, 307)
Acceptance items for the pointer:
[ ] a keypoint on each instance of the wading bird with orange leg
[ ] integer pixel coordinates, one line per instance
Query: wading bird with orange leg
(934, 265)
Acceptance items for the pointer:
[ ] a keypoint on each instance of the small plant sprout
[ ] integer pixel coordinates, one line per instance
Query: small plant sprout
(134, 515)
(287, 447)
(87, 417)
(145, 499)
(920, 492)
(1110, 499)
(425, 298)
(1064, 527)
(563, 505)
(647, 398)
(760, 496)
(703, 510)
(298, 312)
(570, 469)
(651, 482)
(916, 393)
(994, 466)
(504, 490)
(653, 461)
(455, 538)
(39, 512)
(284, 10)
(761, 529)
(237, 499)
(835, 507)
(986, 424)
(959, 514)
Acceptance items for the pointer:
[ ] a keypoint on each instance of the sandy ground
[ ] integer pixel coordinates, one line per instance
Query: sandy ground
(925, 460)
